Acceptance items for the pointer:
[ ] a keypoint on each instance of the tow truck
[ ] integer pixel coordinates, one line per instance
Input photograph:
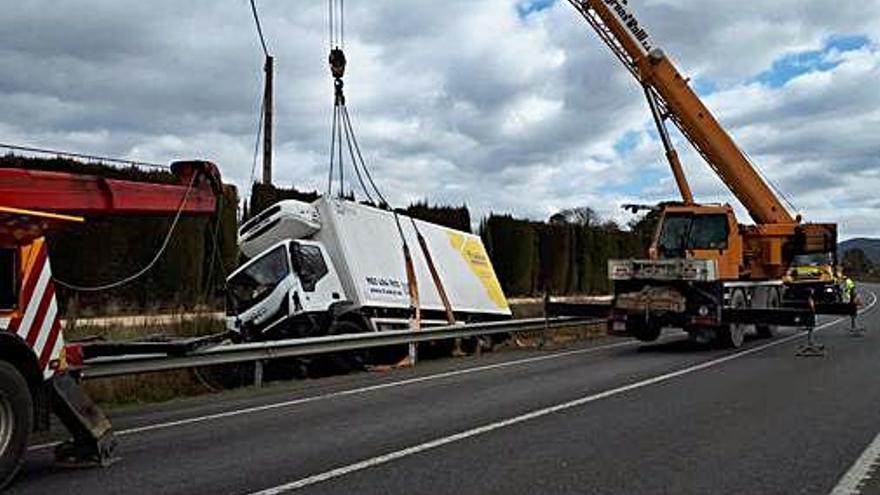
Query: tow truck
(35, 379)
(706, 272)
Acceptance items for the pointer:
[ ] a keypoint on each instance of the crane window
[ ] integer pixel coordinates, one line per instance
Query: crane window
(709, 232)
(8, 280)
(257, 281)
(683, 232)
(309, 265)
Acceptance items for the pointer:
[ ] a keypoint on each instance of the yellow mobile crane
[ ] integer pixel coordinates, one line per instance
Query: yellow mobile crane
(706, 272)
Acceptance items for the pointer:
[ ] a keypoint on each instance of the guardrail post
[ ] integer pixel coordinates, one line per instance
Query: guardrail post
(412, 354)
(258, 373)
(546, 320)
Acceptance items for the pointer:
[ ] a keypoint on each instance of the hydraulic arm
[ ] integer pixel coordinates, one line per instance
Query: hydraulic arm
(64, 192)
(672, 98)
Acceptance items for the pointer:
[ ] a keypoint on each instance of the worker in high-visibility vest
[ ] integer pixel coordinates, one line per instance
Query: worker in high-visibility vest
(849, 290)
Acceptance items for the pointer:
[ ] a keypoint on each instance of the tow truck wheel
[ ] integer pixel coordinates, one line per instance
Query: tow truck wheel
(773, 301)
(645, 331)
(733, 334)
(16, 414)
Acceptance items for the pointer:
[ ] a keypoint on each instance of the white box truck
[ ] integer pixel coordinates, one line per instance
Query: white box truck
(336, 266)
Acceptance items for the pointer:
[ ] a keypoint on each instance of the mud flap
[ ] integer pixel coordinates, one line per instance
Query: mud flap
(92, 442)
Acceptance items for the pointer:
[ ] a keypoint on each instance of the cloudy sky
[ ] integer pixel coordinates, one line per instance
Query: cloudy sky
(506, 105)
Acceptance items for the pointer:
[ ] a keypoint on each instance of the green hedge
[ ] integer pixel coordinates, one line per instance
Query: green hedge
(533, 257)
(266, 195)
(454, 217)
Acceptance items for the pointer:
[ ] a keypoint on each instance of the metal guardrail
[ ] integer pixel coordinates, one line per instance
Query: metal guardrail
(172, 318)
(260, 351)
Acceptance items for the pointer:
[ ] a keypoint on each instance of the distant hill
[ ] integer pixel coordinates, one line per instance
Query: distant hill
(871, 247)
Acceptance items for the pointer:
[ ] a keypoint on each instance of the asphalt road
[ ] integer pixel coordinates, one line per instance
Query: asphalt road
(609, 417)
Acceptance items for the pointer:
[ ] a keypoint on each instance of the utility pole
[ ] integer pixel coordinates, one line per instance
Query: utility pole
(267, 121)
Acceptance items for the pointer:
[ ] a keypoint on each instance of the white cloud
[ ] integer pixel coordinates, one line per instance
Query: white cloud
(458, 101)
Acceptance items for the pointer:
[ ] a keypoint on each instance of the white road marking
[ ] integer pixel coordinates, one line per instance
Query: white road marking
(356, 391)
(849, 484)
(439, 442)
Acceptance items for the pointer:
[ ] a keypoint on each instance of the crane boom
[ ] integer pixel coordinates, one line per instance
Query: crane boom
(64, 192)
(631, 44)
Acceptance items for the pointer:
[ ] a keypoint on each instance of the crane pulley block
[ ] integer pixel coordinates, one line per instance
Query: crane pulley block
(337, 63)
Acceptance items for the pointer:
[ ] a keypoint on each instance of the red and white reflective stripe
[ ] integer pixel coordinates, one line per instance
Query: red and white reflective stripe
(39, 324)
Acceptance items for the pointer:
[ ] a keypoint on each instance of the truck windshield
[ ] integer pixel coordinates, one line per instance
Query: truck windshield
(683, 232)
(257, 281)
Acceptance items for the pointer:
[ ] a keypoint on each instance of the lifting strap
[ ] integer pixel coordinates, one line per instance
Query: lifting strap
(343, 130)
(435, 275)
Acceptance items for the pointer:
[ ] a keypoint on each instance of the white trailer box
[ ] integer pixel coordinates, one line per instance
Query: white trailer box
(367, 248)
(365, 251)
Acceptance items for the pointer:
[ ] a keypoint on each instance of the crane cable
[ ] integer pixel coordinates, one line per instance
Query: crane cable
(150, 265)
(343, 129)
(342, 133)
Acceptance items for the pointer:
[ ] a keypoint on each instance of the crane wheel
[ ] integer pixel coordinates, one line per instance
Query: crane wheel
(773, 301)
(733, 334)
(16, 415)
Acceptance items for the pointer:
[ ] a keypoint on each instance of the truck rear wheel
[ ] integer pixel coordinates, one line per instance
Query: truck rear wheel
(773, 301)
(16, 414)
(733, 334)
(646, 330)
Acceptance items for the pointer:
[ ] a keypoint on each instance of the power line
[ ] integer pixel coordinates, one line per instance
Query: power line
(257, 141)
(259, 28)
(71, 154)
(772, 184)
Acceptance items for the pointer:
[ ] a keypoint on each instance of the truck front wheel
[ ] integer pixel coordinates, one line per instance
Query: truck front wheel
(348, 361)
(16, 414)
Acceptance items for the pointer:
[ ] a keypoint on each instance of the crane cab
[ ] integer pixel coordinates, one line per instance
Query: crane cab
(700, 233)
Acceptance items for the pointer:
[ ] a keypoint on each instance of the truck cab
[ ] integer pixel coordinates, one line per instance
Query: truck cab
(284, 291)
(700, 232)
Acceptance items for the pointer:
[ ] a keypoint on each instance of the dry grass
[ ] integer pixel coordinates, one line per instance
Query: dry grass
(150, 387)
(561, 337)
(177, 328)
